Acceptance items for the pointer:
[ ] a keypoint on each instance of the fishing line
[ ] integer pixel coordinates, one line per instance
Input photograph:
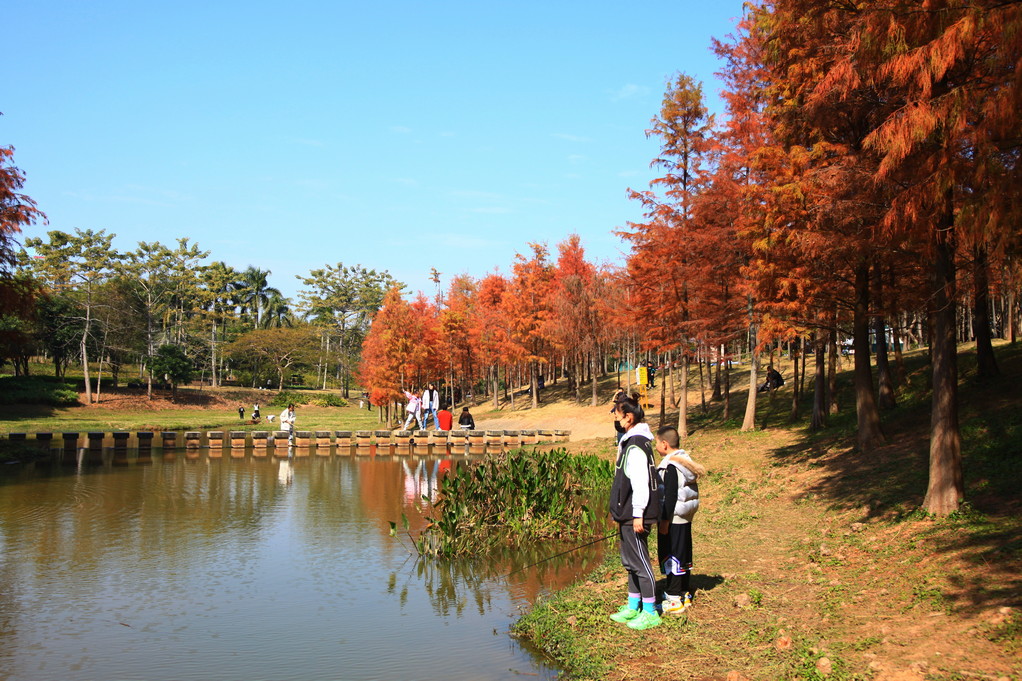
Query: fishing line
(562, 553)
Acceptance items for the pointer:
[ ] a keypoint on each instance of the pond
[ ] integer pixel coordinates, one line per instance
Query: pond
(250, 567)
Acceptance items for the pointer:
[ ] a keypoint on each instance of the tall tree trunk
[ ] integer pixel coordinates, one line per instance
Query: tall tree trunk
(885, 379)
(1012, 336)
(832, 353)
(214, 380)
(946, 487)
(727, 390)
(986, 362)
(85, 357)
(750, 406)
(795, 352)
(819, 417)
(868, 416)
(592, 364)
(670, 377)
(534, 382)
(715, 397)
(683, 402)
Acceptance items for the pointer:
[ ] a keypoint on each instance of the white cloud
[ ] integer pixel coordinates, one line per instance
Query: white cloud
(571, 138)
(629, 91)
(464, 241)
(400, 129)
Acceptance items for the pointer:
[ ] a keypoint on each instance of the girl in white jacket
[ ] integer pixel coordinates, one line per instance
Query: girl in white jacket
(681, 501)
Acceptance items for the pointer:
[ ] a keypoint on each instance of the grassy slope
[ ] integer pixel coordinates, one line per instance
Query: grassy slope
(812, 562)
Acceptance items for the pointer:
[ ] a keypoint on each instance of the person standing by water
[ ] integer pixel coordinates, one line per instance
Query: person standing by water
(634, 505)
(287, 422)
(430, 404)
(681, 501)
(414, 409)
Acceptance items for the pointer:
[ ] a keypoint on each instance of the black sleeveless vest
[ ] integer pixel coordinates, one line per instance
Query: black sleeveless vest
(621, 489)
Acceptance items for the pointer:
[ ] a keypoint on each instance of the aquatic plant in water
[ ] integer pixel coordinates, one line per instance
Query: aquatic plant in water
(513, 497)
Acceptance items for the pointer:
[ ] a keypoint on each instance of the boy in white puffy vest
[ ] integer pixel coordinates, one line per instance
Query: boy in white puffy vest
(681, 501)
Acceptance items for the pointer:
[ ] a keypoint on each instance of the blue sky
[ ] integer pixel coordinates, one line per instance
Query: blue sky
(396, 135)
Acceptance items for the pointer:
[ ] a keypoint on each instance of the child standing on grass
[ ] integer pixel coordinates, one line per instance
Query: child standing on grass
(681, 501)
(634, 504)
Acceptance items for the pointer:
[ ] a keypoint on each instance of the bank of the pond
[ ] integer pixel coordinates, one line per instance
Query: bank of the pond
(795, 581)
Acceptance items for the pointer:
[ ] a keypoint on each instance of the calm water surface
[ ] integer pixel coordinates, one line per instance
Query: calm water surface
(199, 567)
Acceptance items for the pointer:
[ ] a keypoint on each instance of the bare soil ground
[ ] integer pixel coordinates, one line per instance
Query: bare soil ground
(135, 399)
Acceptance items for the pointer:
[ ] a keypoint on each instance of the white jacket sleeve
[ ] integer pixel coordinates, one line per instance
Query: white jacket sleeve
(637, 471)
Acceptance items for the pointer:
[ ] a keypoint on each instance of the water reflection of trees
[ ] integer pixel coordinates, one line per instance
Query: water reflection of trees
(453, 585)
(170, 512)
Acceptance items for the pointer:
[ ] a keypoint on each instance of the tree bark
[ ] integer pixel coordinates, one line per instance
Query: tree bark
(819, 417)
(986, 362)
(946, 487)
(885, 379)
(750, 405)
(832, 353)
(683, 403)
(795, 352)
(869, 432)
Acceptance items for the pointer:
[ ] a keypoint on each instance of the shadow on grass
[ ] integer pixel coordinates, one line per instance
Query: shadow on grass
(890, 482)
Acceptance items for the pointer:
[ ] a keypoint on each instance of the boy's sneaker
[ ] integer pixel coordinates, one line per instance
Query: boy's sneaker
(644, 620)
(673, 604)
(625, 614)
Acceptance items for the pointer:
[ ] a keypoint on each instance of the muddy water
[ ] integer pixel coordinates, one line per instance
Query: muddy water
(199, 567)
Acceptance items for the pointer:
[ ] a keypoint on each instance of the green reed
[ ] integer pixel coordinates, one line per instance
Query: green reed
(514, 497)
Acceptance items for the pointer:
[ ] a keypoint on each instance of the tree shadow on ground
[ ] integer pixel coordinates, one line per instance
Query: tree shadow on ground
(890, 482)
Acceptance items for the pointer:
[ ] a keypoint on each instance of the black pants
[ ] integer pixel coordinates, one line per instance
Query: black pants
(635, 559)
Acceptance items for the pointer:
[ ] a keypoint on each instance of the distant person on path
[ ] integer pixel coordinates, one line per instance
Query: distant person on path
(635, 506)
(430, 404)
(445, 417)
(465, 421)
(241, 413)
(681, 501)
(651, 374)
(414, 409)
(287, 422)
(255, 412)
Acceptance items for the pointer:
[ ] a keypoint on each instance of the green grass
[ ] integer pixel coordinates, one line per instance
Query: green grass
(40, 419)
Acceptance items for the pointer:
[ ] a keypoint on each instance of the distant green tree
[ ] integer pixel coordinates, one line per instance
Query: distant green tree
(149, 270)
(256, 294)
(342, 301)
(58, 329)
(78, 263)
(172, 363)
(285, 349)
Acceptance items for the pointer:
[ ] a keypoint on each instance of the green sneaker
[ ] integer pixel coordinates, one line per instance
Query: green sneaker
(625, 614)
(645, 620)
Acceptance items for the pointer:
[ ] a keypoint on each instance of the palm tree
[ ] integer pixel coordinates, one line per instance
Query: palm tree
(257, 293)
(277, 312)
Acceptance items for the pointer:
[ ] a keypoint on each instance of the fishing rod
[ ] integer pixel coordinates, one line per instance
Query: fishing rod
(562, 553)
